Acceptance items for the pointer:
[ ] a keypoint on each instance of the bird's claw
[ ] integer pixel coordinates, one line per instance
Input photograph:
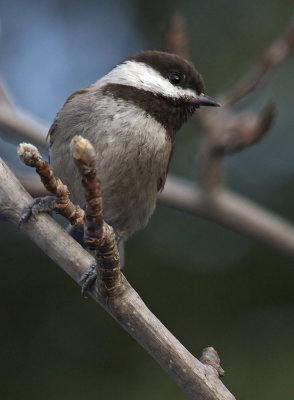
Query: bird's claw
(88, 278)
(37, 205)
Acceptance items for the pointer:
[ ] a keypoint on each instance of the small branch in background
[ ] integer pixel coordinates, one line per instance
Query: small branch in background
(6, 99)
(176, 36)
(16, 125)
(32, 185)
(231, 132)
(248, 129)
(232, 211)
(197, 380)
(279, 50)
(226, 133)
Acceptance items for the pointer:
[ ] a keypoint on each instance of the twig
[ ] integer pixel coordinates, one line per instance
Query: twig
(61, 204)
(279, 50)
(196, 379)
(98, 235)
(210, 357)
(228, 133)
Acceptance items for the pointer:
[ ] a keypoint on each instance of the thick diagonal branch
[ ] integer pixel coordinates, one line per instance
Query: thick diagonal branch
(196, 379)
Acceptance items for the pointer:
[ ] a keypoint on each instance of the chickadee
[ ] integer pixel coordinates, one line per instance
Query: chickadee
(131, 117)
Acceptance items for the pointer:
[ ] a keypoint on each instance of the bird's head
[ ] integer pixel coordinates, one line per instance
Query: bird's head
(166, 86)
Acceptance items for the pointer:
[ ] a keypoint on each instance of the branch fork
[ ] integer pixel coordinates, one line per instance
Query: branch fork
(228, 133)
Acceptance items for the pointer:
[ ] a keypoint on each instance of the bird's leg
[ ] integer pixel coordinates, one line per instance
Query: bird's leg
(37, 205)
(88, 278)
(60, 201)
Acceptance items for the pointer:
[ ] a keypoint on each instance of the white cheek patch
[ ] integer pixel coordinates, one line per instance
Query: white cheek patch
(142, 76)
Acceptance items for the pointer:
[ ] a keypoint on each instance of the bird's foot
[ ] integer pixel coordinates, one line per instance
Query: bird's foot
(88, 278)
(38, 205)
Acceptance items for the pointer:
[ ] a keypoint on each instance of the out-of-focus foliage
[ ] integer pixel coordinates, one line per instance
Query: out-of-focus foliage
(209, 285)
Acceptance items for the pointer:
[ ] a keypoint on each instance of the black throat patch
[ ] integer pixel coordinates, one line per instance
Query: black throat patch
(169, 112)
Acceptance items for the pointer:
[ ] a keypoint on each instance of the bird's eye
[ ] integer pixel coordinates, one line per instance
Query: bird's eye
(175, 78)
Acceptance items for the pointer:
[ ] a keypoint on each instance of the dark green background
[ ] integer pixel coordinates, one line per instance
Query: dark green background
(208, 285)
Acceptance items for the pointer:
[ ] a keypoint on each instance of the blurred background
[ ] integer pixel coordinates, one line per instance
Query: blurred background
(208, 285)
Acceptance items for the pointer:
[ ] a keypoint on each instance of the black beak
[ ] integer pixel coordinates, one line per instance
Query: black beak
(204, 100)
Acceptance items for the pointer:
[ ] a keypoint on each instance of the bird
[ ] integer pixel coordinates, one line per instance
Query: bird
(131, 117)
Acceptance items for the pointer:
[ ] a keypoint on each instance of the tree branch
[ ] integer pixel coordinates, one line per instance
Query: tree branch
(232, 211)
(239, 214)
(17, 125)
(226, 133)
(176, 36)
(275, 54)
(198, 380)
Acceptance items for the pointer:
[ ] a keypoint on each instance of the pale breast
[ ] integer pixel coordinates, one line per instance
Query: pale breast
(132, 149)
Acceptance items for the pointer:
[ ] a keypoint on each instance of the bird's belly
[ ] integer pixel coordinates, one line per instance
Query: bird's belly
(129, 184)
(129, 208)
(129, 189)
(133, 152)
